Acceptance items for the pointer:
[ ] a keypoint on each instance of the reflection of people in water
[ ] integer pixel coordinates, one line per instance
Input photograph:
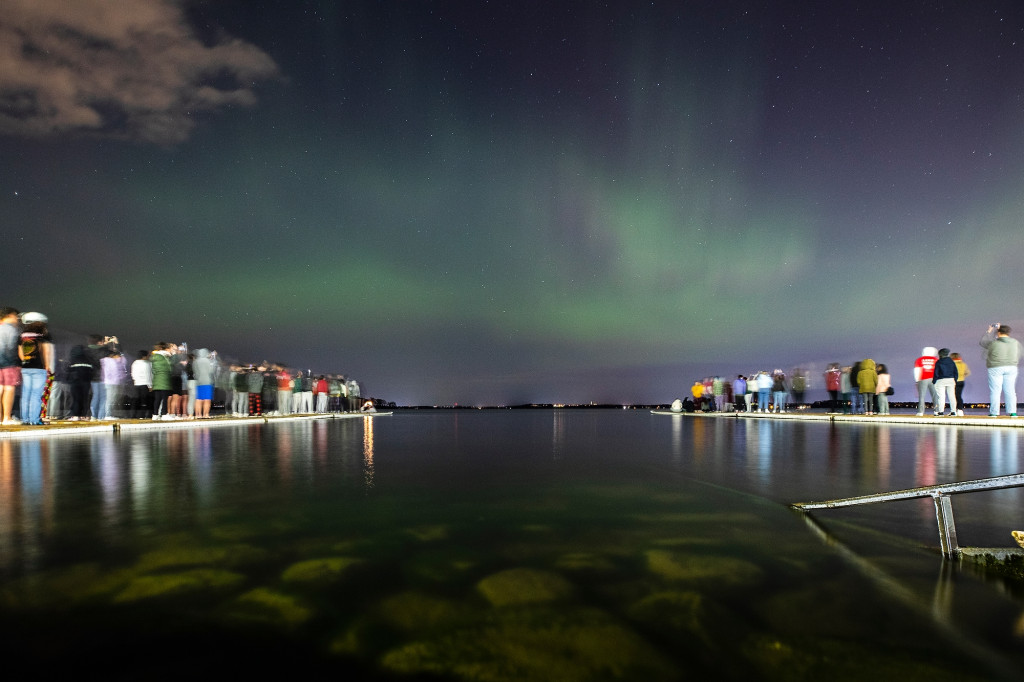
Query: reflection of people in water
(368, 407)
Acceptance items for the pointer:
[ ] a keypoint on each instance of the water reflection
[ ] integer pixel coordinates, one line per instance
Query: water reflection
(368, 474)
(335, 530)
(801, 461)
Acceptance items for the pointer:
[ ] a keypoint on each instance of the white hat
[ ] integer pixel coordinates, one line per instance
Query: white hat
(28, 318)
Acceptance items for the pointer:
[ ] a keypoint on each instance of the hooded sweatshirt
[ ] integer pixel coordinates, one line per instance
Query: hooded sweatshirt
(867, 378)
(202, 367)
(924, 368)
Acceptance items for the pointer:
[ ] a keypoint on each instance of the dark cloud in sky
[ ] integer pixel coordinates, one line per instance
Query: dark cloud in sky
(124, 68)
(506, 202)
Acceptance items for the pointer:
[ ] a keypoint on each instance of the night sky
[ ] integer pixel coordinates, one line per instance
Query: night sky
(507, 202)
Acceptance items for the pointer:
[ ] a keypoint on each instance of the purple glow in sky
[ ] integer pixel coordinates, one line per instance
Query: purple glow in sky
(491, 203)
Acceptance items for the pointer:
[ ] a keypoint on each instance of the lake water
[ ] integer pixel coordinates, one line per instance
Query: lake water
(505, 545)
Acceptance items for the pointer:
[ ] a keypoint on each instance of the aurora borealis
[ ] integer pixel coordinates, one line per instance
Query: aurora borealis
(491, 203)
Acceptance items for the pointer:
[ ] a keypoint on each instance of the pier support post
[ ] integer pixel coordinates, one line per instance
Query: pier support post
(947, 528)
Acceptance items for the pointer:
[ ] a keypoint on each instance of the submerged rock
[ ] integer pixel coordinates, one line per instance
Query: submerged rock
(541, 645)
(723, 570)
(419, 612)
(318, 571)
(428, 533)
(443, 564)
(176, 584)
(523, 586)
(71, 585)
(584, 561)
(192, 555)
(267, 606)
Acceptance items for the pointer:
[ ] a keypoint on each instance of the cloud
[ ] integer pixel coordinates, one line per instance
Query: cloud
(123, 68)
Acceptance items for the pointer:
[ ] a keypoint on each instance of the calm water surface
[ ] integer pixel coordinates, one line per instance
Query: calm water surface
(505, 545)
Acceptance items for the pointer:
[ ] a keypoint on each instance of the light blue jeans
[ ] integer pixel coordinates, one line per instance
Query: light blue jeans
(1002, 379)
(762, 399)
(33, 381)
(98, 406)
(925, 394)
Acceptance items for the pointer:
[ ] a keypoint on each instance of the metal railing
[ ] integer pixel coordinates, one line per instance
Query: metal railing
(940, 494)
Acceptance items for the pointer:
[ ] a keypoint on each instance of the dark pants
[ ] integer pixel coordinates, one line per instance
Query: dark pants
(833, 399)
(959, 392)
(139, 406)
(160, 402)
(80, 398)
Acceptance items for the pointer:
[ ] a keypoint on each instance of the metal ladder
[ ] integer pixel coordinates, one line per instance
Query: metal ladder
(940, 494)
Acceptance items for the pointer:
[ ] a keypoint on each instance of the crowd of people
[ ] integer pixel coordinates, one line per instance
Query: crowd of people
(95, 381)
(864, 387)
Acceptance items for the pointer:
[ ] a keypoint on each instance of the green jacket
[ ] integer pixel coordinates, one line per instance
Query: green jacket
(162, 369)
(867, 377)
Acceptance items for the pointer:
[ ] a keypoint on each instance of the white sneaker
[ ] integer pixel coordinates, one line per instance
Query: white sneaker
(959, 413)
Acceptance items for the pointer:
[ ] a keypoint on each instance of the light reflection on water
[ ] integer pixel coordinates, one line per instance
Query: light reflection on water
(436, 506)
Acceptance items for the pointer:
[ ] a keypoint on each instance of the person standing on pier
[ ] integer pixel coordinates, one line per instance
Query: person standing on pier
(1002, 355)
(924, 370)
(867, 384)
(962, 372)
(10, 364)
(882, 388)
(832, 385)
(944, 378)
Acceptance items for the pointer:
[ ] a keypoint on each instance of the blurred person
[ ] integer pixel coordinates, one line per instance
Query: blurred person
(1002, 355)
(320, 391)
(162, 365)
(284, 391)
(10, 364)
(855, 398)
(80, 380)
(98, 348)
(944, 379)
(867, 384)
(36, 353)
(751, 394)
(58, 406)
(333, 393)
(352, 389)
(779, 392)
(798, 385)
(882, 388)
(177, 400)
(962, 372)
(254, 388)
(190, 385)
(307, 393)
(224, 379)
(832, 385)
(764, 390)
(739, 388)
(708, 397)
(697, 390)
(269, 396)
(718, 393)
(924, 370)
(113, 372)
(296, 407)
(845, 388)
(202, 368)
(142, 385)
(240, 404)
